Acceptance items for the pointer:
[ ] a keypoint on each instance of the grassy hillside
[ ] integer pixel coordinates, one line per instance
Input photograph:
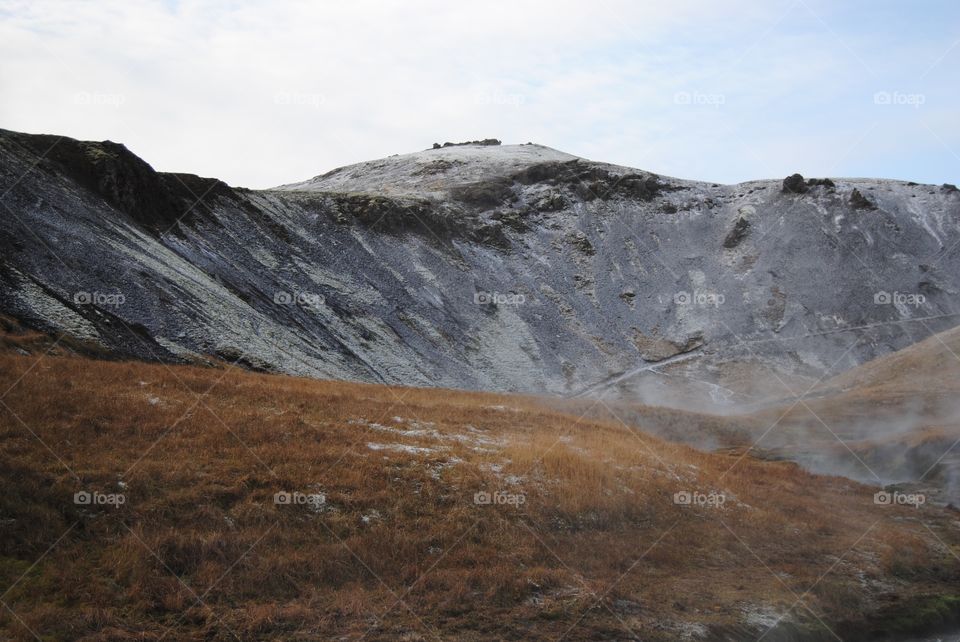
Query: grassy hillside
(387, 534)
(896, 418)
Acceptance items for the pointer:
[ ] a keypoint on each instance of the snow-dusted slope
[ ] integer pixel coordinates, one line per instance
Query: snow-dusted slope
(512, 267)
(431, 172)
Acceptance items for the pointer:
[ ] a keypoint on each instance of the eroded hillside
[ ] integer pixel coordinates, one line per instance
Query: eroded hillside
(499, 267)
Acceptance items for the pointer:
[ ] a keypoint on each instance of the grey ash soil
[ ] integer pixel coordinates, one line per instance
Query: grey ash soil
(595, 271)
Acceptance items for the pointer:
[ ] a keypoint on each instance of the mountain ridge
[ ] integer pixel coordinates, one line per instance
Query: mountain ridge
(528, 270)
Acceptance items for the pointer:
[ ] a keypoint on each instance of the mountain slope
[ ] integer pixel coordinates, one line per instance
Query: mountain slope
(492, 267)
(893, 419)
(928, 366)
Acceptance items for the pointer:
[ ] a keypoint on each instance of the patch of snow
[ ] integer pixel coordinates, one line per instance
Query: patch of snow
(427, 430)
(404, 448)
(761, 616)
(437, 471)
(691, 630)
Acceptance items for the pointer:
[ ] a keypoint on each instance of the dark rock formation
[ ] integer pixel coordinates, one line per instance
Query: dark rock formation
(794, 184)
(485, 194)
(737, 234)
(485, 141)
(860, 202)
(580, 241)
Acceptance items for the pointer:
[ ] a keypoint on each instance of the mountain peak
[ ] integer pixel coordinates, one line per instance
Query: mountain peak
(435, 170)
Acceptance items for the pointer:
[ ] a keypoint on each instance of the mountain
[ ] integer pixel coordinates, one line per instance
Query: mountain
(479, 266)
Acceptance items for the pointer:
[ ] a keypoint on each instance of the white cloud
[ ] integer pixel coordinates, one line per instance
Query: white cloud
(263, 93)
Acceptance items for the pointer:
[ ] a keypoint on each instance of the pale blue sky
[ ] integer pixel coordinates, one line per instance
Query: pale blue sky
(263, 93)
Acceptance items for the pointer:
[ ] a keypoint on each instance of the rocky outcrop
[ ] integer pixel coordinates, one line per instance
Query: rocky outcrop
(794, 184)
(737, 234)
(485, 141)
(109, 170)
(485, 194)
(821, 182)
(860, 202)
(589, 181)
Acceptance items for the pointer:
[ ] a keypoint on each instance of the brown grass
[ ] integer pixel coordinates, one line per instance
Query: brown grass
(399, 549)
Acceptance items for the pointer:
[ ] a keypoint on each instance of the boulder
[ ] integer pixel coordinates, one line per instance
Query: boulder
(794, 184)
(860, 202)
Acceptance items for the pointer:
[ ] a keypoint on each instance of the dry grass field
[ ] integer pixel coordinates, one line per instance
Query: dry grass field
(223, 504)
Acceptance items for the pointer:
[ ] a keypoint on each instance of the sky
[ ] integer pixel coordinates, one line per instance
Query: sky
(265, 93)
